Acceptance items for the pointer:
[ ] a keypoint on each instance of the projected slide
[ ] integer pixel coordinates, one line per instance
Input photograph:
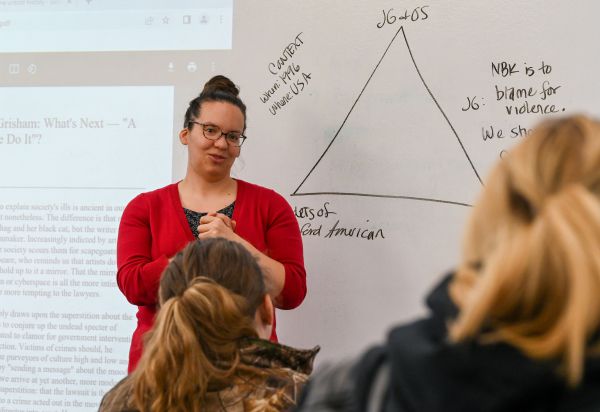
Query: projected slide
(70, 159)
(93, 94)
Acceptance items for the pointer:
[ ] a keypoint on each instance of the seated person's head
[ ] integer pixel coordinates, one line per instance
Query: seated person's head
(530, 272)
(212, 296)
(222, 266)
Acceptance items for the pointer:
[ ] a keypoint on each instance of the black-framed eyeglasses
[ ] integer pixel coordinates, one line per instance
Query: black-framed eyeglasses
(212, 132)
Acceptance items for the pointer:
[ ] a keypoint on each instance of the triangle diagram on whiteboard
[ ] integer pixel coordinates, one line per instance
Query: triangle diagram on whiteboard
(395, 142)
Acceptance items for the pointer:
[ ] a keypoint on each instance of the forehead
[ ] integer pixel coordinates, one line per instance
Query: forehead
(222, 114)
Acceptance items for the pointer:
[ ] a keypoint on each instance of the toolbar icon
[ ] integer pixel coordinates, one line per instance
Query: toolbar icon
(192, 67)
(14, 68)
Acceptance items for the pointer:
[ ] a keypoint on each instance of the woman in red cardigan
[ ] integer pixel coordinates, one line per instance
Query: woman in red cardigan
(207, 203)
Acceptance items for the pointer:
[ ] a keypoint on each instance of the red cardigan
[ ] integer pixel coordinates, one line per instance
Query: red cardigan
(154, 227)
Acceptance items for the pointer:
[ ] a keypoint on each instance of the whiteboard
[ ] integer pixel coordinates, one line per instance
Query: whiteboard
(389, 115)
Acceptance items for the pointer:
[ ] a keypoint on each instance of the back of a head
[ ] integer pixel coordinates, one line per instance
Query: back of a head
(530, 272)
(228, 263)
(208, 296)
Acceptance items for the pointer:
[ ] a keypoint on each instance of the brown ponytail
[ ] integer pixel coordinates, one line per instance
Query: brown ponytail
(194, 342)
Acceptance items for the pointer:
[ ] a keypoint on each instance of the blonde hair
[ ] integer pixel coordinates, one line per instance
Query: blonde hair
(530, 270)
(194, 345)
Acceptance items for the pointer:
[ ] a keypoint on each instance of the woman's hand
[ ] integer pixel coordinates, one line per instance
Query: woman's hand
(217, 225)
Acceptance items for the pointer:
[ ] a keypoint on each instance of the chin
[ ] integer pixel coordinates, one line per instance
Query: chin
(216, 173)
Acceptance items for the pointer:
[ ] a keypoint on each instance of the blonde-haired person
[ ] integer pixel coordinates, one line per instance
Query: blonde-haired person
(208, 349)
(517, 327)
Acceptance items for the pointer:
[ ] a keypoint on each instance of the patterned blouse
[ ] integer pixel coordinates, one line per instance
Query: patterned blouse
(193, 217)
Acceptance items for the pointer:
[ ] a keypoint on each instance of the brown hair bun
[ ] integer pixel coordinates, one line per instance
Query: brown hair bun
(221, 84)
(217, 89)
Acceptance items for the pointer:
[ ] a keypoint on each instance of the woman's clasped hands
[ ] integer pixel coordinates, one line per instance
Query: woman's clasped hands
(217, 225)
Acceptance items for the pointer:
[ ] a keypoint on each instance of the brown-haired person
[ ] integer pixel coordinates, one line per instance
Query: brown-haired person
(517, 327)
(207, 203)
(208, 349)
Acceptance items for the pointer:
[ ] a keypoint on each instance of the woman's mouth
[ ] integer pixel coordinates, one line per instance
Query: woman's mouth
(216, 158)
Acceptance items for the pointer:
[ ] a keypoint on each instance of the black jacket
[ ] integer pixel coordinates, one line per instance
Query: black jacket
(418, 370)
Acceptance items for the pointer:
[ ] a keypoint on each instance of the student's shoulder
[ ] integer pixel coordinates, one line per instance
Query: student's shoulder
(275, 388)
(118, 399)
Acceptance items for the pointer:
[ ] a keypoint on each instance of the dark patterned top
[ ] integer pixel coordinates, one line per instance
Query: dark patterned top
(272, 381)
(193, 217)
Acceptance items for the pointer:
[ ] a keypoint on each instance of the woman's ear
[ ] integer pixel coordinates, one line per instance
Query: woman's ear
(183, 136)
(266, 310)
(263, 318)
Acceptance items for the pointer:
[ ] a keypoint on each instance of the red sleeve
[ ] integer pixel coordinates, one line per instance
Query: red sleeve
(138, 273)
(284, 244)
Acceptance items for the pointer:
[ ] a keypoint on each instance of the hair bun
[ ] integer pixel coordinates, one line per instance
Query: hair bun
(221, 84)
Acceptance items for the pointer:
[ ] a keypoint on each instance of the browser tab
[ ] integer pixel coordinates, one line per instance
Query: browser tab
(111, 25)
